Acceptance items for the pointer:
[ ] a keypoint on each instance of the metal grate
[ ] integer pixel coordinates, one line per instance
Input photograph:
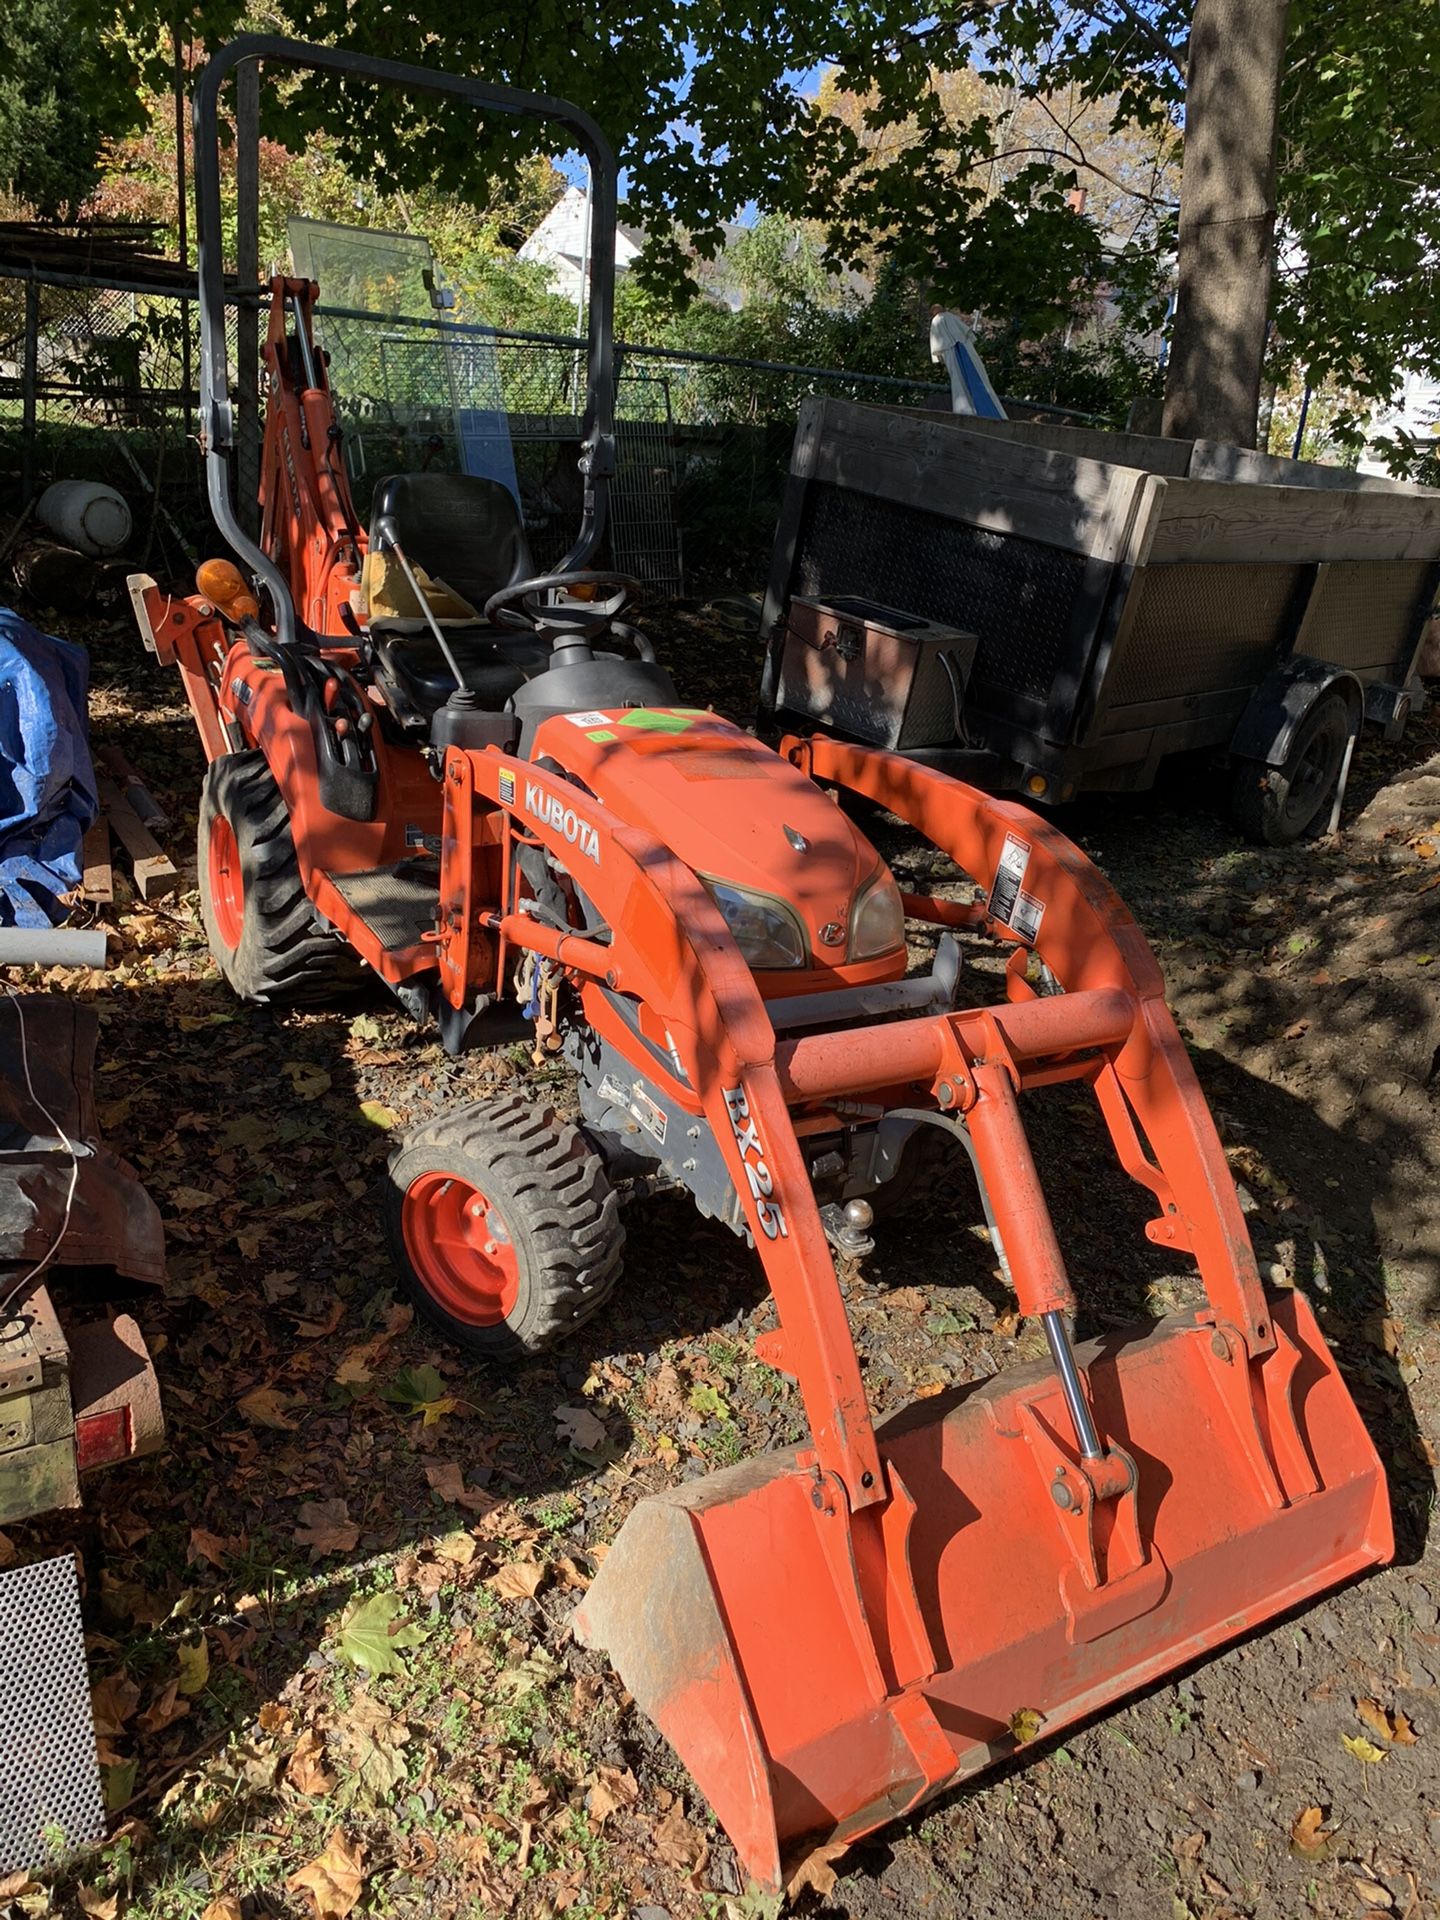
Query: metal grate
(1366, 614)
(1202, 626)
(49, 1771)
(398, 903)
(643, 536)
(1018, 595)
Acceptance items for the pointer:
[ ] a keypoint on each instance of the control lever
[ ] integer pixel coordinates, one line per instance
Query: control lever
(389, 538)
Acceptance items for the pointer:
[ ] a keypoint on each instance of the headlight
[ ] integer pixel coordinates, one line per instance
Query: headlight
(765, 930)
(877, 919)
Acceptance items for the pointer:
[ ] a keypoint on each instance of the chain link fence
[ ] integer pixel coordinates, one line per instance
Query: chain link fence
(97, 381)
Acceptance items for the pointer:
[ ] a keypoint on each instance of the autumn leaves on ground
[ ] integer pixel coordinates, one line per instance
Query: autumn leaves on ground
(329, 1626)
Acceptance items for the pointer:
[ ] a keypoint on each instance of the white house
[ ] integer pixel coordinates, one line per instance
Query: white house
(561, 242)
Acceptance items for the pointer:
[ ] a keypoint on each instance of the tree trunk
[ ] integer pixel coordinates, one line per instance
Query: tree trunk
(1227, 219)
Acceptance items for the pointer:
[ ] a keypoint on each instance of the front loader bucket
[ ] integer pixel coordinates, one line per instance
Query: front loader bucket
(820, 1672)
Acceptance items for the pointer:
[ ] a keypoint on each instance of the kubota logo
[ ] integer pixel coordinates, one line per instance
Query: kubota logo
(752, 1152)
(550, 808)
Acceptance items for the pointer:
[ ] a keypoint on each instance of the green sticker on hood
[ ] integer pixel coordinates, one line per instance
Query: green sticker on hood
(657, 720)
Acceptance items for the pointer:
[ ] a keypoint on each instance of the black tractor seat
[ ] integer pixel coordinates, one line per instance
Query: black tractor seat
(467, 532)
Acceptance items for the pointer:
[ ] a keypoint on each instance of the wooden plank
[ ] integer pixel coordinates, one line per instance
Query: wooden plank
(1000, 485)
(1217, 460)
(1145, 451)
(143, 802)
(1211, 521)
(155, 876)
(98, 882)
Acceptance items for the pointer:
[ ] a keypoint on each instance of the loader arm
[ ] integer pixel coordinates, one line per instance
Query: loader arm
(828, 1637)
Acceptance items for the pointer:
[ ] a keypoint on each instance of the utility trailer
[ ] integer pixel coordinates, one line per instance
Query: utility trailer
(1056, 609)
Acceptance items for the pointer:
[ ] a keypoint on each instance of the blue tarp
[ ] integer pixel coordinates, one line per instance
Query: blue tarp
(47, 780)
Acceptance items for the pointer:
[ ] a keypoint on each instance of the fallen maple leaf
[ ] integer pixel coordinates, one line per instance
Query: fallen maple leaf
(194, 1658)
(517, 1579)
(812, 1872)
(306, 1770)
(165, 1710)
(1310, 1838)
(227, 1907)
(356, 1369)
(335, 1879)
(273, 1717)
(265, 1407)
(97, 1905)
(446, 1479)
(326, 1527)
(371, 1636)
(678, 1844)
(193, 1198)
(206, 1546)
(379, 1115)
(580, 1428)
(1394, 1727)
(371, 1738)
(112, 1701)
(307, 1081)
(612, 1787)
(458, 1548)
(537, 1669)
(1362, 1748)
(308, 1329)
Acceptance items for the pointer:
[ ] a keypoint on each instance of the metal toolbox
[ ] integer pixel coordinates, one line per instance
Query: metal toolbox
(875, 674)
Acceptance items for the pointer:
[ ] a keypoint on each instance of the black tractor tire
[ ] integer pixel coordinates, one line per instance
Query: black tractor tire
(1276, 806)
(503, 1226)
(932, 1170)
(258, 920)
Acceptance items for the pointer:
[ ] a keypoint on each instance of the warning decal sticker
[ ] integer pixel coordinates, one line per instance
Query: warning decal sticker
(1009, 902)
(1026, 918)
(1009, 875)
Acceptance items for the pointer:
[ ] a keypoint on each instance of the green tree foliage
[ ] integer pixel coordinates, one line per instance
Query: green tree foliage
(58, 94)
(952, 132)
(1359, 265)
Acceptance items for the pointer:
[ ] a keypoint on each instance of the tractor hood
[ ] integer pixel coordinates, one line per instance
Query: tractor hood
(773, 848)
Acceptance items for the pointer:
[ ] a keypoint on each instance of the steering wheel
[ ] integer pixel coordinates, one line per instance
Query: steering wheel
(511, 607)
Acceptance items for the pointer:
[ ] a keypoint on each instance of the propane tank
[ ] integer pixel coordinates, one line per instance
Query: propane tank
(85, 515)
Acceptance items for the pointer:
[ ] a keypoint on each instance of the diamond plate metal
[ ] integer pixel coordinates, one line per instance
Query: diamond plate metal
(1200, 627)
(398, 903)
(1364, 614)
(49, 1772)
(1018, 595)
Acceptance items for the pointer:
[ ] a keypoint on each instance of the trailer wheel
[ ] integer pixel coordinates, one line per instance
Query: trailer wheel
(503, 1226)
(1278, 805)
(258, 919)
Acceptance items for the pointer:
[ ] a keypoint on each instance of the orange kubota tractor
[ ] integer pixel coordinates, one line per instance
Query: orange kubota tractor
(430, 762)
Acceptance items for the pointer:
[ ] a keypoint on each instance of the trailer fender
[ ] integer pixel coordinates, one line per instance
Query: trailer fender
(1268, 725)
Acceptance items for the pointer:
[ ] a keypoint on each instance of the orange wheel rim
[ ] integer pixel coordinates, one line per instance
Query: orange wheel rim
(460, 1249)
(227, 883)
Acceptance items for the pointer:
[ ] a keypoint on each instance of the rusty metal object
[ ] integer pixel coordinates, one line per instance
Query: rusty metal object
(113, 1222)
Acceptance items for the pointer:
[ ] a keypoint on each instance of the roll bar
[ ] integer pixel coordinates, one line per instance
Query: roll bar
(597, 460)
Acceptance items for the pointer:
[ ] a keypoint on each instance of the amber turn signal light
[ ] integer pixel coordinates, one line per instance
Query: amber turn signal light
(223, 584)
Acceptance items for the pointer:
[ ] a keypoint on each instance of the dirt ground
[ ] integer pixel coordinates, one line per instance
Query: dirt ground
(329, 1627)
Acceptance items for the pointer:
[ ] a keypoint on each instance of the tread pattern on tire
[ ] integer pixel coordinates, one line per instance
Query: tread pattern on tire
(284, 957)
(1259, 793)
(545, 1175)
